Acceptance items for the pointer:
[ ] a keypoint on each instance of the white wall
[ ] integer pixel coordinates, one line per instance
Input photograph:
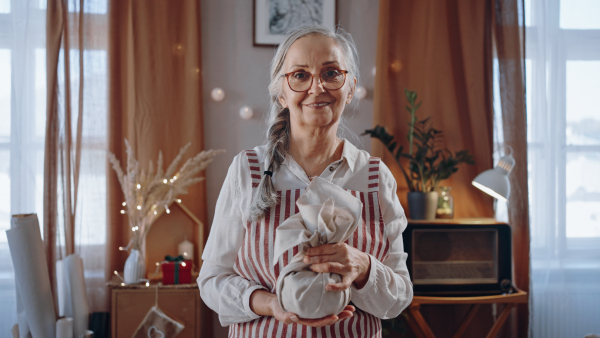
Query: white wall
(230, 61)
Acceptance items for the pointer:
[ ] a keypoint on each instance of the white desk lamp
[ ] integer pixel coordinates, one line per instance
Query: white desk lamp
(494, 181)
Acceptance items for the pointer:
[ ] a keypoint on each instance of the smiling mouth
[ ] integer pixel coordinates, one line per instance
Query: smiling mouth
(318, 105)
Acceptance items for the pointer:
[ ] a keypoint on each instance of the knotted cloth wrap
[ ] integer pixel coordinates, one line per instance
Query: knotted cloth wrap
(327, 214)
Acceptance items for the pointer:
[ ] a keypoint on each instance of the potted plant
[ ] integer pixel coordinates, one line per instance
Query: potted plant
(426, 165)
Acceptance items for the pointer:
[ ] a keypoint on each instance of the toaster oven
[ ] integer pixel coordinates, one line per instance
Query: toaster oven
(459, 258)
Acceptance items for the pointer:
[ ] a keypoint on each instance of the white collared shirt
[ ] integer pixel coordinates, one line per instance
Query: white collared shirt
(388, 290)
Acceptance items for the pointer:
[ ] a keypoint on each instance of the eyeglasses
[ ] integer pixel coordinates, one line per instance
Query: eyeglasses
(300, 81)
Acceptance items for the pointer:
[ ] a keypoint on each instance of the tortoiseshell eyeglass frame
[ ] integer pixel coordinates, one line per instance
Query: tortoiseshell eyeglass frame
(287, 76)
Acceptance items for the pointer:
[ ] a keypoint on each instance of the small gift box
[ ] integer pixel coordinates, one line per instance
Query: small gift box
(176, 270)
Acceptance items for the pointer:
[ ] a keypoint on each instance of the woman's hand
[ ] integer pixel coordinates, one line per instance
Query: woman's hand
(265, 303)
(289, 318)
(352, 264)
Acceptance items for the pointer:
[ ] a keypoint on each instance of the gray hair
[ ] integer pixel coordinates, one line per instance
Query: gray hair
(278, 120)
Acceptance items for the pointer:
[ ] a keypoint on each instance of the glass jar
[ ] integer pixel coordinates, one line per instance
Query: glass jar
(445, 206)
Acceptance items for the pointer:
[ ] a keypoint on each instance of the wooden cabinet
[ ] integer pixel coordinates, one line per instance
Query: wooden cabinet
(131, 303)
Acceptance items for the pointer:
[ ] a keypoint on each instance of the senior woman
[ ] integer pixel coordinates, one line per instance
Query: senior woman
(313, 77)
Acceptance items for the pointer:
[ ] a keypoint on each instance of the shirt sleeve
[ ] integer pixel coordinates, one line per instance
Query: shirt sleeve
(221, 288)
(388, 290)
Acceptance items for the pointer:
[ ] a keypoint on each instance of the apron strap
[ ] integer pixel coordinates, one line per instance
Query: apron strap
(255, 173)
(373, 180)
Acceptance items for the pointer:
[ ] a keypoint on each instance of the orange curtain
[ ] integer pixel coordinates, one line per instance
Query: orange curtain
(62, 156)
(509, 38)
(155, 98)
(441, 50)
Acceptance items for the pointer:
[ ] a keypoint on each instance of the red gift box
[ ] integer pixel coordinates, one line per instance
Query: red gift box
(177, 272)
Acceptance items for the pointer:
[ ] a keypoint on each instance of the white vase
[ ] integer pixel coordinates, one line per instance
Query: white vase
(431, 201)
(135, 267)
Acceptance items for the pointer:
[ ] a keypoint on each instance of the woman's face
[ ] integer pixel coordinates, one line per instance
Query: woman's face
(316, 107)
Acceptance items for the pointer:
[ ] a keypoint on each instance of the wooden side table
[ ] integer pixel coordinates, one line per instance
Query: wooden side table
(422, 329)
(130, 303)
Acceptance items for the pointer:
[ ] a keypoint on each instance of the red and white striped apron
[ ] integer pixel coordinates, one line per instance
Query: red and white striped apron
(255, 257)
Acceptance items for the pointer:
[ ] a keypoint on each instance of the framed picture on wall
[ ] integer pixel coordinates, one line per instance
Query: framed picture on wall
(273, 18)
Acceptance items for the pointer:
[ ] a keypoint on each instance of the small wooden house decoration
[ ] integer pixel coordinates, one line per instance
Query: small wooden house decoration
(167, 232)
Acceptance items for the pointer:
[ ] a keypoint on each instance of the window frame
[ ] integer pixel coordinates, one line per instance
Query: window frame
(569, 45)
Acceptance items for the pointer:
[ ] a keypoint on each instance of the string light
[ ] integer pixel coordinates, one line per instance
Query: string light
(178, 200)
(119, 276)
(139, 186)
(157, 263)
(132, 228)
(127, 247)
(182, 263)
(124, 203)
(122, 211)
(147, 284)
(165, 181)
(167, 208)
(174, 177)
(122, 284)
(139, 207)
(155, 212)
(171, 180)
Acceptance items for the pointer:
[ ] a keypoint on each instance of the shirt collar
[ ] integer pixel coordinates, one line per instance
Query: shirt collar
(349, 153)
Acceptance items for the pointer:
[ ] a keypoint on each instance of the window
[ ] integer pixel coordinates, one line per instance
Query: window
(23, 125)
(563, 79)
(21, 140)
(563, 82)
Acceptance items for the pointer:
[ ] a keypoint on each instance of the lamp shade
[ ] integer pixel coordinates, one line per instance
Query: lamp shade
(495, 181)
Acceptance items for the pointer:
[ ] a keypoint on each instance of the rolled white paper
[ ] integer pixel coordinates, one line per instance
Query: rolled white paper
(77, 297)
(64, 328)
(31, 274)
(22, 327)
(62, 290)
(21, 315)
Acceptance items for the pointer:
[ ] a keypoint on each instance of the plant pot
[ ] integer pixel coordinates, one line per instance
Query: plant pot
(422, 205)
(135, 267)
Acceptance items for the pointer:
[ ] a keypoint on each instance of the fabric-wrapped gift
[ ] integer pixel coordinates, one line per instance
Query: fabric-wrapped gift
(176, 270)
(327, 214)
